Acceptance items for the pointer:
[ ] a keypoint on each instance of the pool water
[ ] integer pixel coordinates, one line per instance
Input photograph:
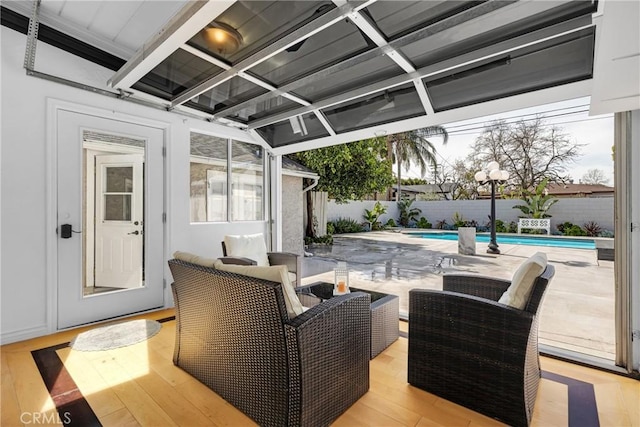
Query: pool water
(558, 242)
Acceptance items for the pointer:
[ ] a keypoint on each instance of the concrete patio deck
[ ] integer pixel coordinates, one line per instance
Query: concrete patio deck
(577, 313)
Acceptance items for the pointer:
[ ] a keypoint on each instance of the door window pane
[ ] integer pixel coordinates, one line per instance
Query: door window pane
(119, 179)
(247, 182)
(117, 207)
(208, 167)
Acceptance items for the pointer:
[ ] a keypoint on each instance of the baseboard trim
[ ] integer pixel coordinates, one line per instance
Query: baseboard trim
(24, 334)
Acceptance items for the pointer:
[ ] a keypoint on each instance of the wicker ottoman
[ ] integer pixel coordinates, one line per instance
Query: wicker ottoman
(385, 312)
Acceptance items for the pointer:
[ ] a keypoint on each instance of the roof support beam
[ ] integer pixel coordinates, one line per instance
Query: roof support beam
(193, 17)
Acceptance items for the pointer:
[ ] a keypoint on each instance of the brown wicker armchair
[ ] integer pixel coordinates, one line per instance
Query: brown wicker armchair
(234, 335)
(467, 348)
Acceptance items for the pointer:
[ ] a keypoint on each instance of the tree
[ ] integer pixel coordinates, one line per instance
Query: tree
(594, 176)
(414, 146)
(530, 151)
(456, 181)
(349, 171)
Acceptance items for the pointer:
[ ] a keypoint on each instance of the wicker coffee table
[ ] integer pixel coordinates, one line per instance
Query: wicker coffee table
(385, 312)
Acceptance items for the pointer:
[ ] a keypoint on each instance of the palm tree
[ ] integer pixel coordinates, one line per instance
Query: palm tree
(414, 146)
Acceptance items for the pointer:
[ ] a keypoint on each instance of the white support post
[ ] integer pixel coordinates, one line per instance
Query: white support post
(275, 195)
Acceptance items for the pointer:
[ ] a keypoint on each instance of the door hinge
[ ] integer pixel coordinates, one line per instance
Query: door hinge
(164, 151)
(164, 283)
(164, 217)
(635, 335)
(634, 226)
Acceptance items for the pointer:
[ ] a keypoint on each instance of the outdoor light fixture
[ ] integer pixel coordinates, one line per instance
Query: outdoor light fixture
(222, 38)
(492, 175)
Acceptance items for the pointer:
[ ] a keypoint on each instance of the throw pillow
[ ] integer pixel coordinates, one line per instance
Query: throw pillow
(250, 246)
(193, 259)
(517, 294)
(274, 273)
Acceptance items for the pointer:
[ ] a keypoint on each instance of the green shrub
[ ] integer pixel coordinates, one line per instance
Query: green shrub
(574, 230)
(500, 227)
(346, 225)
(323, 240)
(569, 229)
(331, 229)
(390, 223)
(423, 223)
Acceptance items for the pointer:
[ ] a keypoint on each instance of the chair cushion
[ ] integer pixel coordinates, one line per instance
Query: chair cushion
(250, 246)
(517, 294)
(193, 259)
(274, 273)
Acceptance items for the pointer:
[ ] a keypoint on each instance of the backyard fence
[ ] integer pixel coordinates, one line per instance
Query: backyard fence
(575, 210)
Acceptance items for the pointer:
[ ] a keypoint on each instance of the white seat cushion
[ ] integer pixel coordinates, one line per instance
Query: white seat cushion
(250, 246)
(274, 273)
(193, 259)
(517, 294)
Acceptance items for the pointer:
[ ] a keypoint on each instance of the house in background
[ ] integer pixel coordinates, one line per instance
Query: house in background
(261, 79)
(580, 190)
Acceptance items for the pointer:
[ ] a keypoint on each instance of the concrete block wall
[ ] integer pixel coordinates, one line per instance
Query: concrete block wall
(575, 210)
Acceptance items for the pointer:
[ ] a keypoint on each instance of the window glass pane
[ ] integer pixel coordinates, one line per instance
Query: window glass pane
(395, 18)
(293, 130)
(256, 110)
(208, 168)
(117, 207)
(180, 71)
(341, 40)
(229, 93)
(258, 23)
(359, 75)
(470, 36)
(119, 179)
(247, 182)
(571, 59)
(394, 104)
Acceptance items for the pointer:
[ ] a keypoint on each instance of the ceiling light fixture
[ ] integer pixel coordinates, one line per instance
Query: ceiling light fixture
(222, 38)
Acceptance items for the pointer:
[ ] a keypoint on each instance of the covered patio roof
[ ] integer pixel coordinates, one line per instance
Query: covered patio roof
(297, 75)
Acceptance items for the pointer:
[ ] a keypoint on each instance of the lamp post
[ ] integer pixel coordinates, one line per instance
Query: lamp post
(492, 175)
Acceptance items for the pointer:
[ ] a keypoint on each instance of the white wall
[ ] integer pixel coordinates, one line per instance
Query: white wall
(575, 210)
(25, 290)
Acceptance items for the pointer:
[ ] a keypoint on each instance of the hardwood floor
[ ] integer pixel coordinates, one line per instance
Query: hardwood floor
(139, 385)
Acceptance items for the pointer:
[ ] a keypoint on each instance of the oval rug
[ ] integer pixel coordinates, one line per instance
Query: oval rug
(116, 335)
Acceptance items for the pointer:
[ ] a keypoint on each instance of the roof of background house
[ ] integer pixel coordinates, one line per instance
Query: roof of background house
(427, 188)
(569, 189)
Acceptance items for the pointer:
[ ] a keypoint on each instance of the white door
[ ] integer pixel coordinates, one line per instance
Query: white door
(134, 266)
(119, 221)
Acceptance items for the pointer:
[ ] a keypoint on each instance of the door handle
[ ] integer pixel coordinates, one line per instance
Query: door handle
(134, 232)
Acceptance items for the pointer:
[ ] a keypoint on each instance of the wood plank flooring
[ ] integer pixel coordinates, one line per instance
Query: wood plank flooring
(139, 386)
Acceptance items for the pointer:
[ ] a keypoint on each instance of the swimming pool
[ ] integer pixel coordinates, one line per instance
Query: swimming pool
(519, 239)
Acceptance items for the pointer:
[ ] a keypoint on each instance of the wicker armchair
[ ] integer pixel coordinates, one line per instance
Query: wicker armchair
(233, 334)
(467, 348)
(291, 260)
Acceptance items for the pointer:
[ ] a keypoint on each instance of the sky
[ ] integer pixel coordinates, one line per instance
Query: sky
(595, 132)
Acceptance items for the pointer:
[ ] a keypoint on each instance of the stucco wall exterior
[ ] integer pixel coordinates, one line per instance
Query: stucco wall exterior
(575, 210)
(292, 215)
